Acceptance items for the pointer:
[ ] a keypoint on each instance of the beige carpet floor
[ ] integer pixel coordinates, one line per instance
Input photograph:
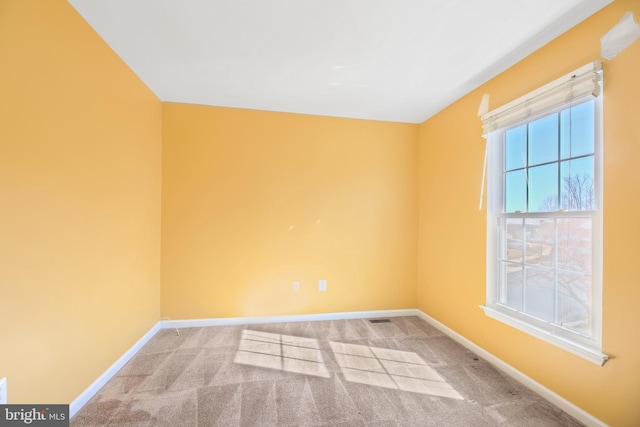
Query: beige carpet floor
(327, 373)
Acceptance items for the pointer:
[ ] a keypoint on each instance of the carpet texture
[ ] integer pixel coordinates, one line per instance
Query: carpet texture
(326, 373)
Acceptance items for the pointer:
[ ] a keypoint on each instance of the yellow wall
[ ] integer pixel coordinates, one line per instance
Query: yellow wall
(451, 278)
(254, 200)
(80, 140)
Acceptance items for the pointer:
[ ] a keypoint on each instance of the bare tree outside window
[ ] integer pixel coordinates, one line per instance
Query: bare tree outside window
(577, 194)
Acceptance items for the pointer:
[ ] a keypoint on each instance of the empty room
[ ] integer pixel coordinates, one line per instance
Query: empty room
(343, 213)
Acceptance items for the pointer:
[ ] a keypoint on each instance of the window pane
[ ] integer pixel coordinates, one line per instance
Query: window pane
(539, 291)
(574, 302)
(515, 191)
(574, 244)
(511, 289)
(513, 243)
(577, 130)
(577, 193)
(543, 140)
(515, 142)
(539, 247)
(543, 188)
(510, 266)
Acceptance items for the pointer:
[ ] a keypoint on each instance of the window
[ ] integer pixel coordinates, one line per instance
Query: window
(544, 216)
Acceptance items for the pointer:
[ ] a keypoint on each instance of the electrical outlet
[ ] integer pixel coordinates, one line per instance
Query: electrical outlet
(296, 285)
(322, 285)
(3, 391)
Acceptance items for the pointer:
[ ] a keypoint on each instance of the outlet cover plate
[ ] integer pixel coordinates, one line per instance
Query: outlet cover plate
(3, 391)
(322, 285)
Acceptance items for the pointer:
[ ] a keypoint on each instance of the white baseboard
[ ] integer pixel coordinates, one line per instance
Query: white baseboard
(86, 395)
(559, 401)
(226, 321)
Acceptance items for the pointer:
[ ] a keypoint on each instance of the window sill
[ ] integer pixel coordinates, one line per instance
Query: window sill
(589, 353)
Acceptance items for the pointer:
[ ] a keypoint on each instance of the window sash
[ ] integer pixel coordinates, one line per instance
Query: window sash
(565, 158)
(548, 253)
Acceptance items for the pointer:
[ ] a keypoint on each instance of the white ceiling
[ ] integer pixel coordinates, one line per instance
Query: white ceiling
(393, 60)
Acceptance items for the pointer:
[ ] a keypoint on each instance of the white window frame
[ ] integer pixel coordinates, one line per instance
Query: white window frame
(589, 348)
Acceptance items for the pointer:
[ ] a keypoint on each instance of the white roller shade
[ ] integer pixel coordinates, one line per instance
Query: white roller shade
(585, 81)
